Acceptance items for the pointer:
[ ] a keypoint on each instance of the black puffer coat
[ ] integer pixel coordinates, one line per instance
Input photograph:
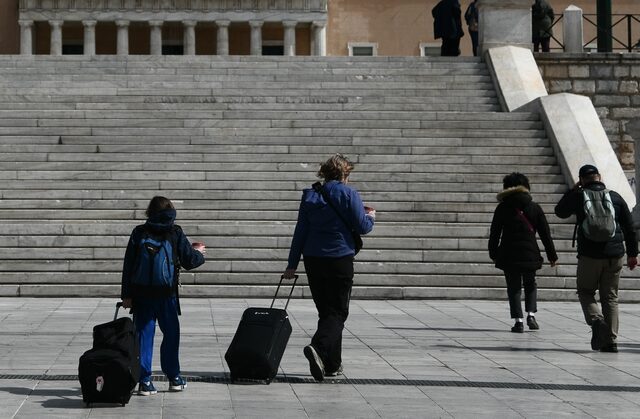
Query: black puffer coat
(512, 244)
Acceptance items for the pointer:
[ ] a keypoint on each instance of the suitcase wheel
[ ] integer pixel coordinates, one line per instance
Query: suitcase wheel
(268, 381)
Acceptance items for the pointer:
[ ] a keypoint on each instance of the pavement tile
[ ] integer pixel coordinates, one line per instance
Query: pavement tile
(402, 359)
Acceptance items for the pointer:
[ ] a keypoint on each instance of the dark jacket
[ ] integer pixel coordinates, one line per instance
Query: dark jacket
(512, 244)
(572, 203)
(471, 17)
(447, 20)
(161, 223)
(541, 19)
(319, 232)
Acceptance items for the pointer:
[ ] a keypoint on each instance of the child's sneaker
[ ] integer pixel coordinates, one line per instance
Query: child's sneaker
(177, 384)
(146, 389)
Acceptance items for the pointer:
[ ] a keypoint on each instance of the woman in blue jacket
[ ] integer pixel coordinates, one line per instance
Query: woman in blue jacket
(324, 235)
(152, 300)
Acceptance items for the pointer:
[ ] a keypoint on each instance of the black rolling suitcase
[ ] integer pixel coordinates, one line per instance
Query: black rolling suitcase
(259, 343)
(109, 372)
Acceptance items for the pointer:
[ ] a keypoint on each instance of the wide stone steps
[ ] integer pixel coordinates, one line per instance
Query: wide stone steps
(85, 143)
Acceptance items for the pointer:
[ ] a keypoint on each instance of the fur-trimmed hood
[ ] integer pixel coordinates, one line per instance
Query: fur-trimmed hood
(517, 196)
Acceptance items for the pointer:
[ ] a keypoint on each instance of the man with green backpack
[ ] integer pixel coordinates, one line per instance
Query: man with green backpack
(604, 229)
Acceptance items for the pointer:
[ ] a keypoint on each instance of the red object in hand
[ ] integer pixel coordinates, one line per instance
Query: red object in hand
(197, 245)
(368, 209)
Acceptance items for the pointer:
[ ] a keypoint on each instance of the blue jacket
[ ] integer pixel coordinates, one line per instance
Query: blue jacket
(160, 223)
(320, 232)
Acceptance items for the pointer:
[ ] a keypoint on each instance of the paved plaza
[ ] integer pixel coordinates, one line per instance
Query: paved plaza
(402, 359)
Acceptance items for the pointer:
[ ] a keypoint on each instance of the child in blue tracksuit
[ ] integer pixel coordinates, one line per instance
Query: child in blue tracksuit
(151, 303)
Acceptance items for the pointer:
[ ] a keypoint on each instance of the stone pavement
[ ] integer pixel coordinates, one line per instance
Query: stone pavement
(402, 359)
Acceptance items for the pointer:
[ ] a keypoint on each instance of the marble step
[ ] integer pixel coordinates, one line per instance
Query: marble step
(271, 268)
(155, 115)
(272, 152)
(199, 227)
(283, 140)
(234, 215)
(345, 124)
(37, 77)
(226, 244)
(267, 291)
(182, 104)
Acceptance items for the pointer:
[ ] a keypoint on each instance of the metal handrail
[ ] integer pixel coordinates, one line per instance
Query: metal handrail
(630, 45)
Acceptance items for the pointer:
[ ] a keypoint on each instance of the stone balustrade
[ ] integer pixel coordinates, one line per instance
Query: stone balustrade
(190, 13)
(173, 5)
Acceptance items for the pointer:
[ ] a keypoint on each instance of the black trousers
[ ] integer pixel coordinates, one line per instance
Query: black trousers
(541, 42)
(450, 47)
(515, 280)
(330, 281)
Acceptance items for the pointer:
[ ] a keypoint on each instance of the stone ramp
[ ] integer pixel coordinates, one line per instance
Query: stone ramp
(85, 143)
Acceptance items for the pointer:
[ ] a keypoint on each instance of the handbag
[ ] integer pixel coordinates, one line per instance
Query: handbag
(357, 239)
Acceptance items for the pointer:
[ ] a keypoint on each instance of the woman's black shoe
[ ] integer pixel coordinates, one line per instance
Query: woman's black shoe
(518, 328)
(532, 323)
(610, 348)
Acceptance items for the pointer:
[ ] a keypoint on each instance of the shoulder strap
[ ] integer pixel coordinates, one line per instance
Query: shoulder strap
(318, 188)
(524, 218)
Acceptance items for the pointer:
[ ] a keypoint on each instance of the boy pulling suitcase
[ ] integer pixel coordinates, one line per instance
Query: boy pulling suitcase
(155, 253)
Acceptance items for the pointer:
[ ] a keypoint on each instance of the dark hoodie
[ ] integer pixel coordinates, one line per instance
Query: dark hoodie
(512, 244)
(158, 224)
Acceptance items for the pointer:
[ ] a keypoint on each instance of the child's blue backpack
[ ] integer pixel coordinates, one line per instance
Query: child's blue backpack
(155, 261)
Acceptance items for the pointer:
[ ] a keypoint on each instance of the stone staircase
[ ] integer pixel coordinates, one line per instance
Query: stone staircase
(85, 143)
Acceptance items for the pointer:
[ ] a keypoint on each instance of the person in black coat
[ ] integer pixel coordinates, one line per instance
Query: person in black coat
(447, 24)
(514, 249)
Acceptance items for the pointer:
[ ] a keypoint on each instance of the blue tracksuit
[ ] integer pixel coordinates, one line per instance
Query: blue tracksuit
(149, 307)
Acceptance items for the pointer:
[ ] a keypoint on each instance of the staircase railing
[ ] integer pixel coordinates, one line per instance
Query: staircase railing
(622, 31)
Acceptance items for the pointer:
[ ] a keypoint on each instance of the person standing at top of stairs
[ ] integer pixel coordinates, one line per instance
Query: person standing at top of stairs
(447, 24)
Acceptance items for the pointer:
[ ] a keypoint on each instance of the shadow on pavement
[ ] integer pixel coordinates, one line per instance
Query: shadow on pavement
(447, 329)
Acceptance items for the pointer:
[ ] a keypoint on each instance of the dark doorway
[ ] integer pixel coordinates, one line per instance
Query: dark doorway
(273, 50)
(173, 50)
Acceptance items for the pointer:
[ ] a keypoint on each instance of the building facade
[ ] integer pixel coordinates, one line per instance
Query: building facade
(240, 27)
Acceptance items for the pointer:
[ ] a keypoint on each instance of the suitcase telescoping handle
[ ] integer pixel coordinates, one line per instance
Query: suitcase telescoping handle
(295, 279)
(118, 305)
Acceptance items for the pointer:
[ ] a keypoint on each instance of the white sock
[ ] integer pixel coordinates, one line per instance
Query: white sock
(518, 320)
(532, 314)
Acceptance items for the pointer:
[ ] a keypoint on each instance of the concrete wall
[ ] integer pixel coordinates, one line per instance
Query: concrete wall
(610, 80)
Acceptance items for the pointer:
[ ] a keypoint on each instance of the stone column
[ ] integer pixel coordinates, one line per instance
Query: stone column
(289, 37)
(572, 30)
(189, 38)
(26, 37)
(223, 37)
(89, 46)
(502, 23)
(155, 37)
(319, 38)
(123, 37)
(256, 37)
(56, 37)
